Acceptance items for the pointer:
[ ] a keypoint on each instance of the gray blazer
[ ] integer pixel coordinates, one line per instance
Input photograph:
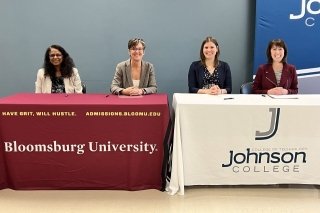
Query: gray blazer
(122, 78)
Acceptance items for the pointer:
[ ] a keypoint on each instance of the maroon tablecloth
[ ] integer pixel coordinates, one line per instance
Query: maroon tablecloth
(90, 141)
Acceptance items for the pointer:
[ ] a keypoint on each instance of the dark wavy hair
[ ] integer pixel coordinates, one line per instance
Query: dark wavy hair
(66, 65)
(277, 43)
(202, 57)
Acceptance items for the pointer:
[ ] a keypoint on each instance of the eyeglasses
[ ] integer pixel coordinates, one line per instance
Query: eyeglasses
(137, 49)
(55, 55)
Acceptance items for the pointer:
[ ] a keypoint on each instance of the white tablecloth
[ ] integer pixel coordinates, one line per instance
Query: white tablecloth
(248, 139)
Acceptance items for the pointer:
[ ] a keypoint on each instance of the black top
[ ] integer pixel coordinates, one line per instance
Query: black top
(57, 85)
(210, 79)
(196, 76)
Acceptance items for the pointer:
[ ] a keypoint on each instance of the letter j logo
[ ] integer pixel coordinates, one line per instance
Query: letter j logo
(273, 125)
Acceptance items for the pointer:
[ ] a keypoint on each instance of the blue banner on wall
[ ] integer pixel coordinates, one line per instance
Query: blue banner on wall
(297, 22)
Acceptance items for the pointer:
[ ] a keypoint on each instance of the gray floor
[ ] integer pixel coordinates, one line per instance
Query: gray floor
(196, 199)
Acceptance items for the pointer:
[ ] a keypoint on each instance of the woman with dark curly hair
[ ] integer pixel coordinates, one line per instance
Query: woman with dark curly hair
(58, 74)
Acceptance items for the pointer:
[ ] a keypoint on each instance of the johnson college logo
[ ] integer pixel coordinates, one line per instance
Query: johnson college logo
(309, 9)
(267, 159)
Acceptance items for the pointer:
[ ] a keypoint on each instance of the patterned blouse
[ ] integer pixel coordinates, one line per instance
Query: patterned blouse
(57, 85)
(210, 79)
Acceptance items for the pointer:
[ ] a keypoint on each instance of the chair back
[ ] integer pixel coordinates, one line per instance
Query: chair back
(84, 88)
(246, 88)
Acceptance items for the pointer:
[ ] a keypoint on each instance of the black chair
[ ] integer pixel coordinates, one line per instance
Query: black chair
(246, 88)
(84, 88)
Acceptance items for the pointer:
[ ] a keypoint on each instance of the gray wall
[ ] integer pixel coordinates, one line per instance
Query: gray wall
(96, 32)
